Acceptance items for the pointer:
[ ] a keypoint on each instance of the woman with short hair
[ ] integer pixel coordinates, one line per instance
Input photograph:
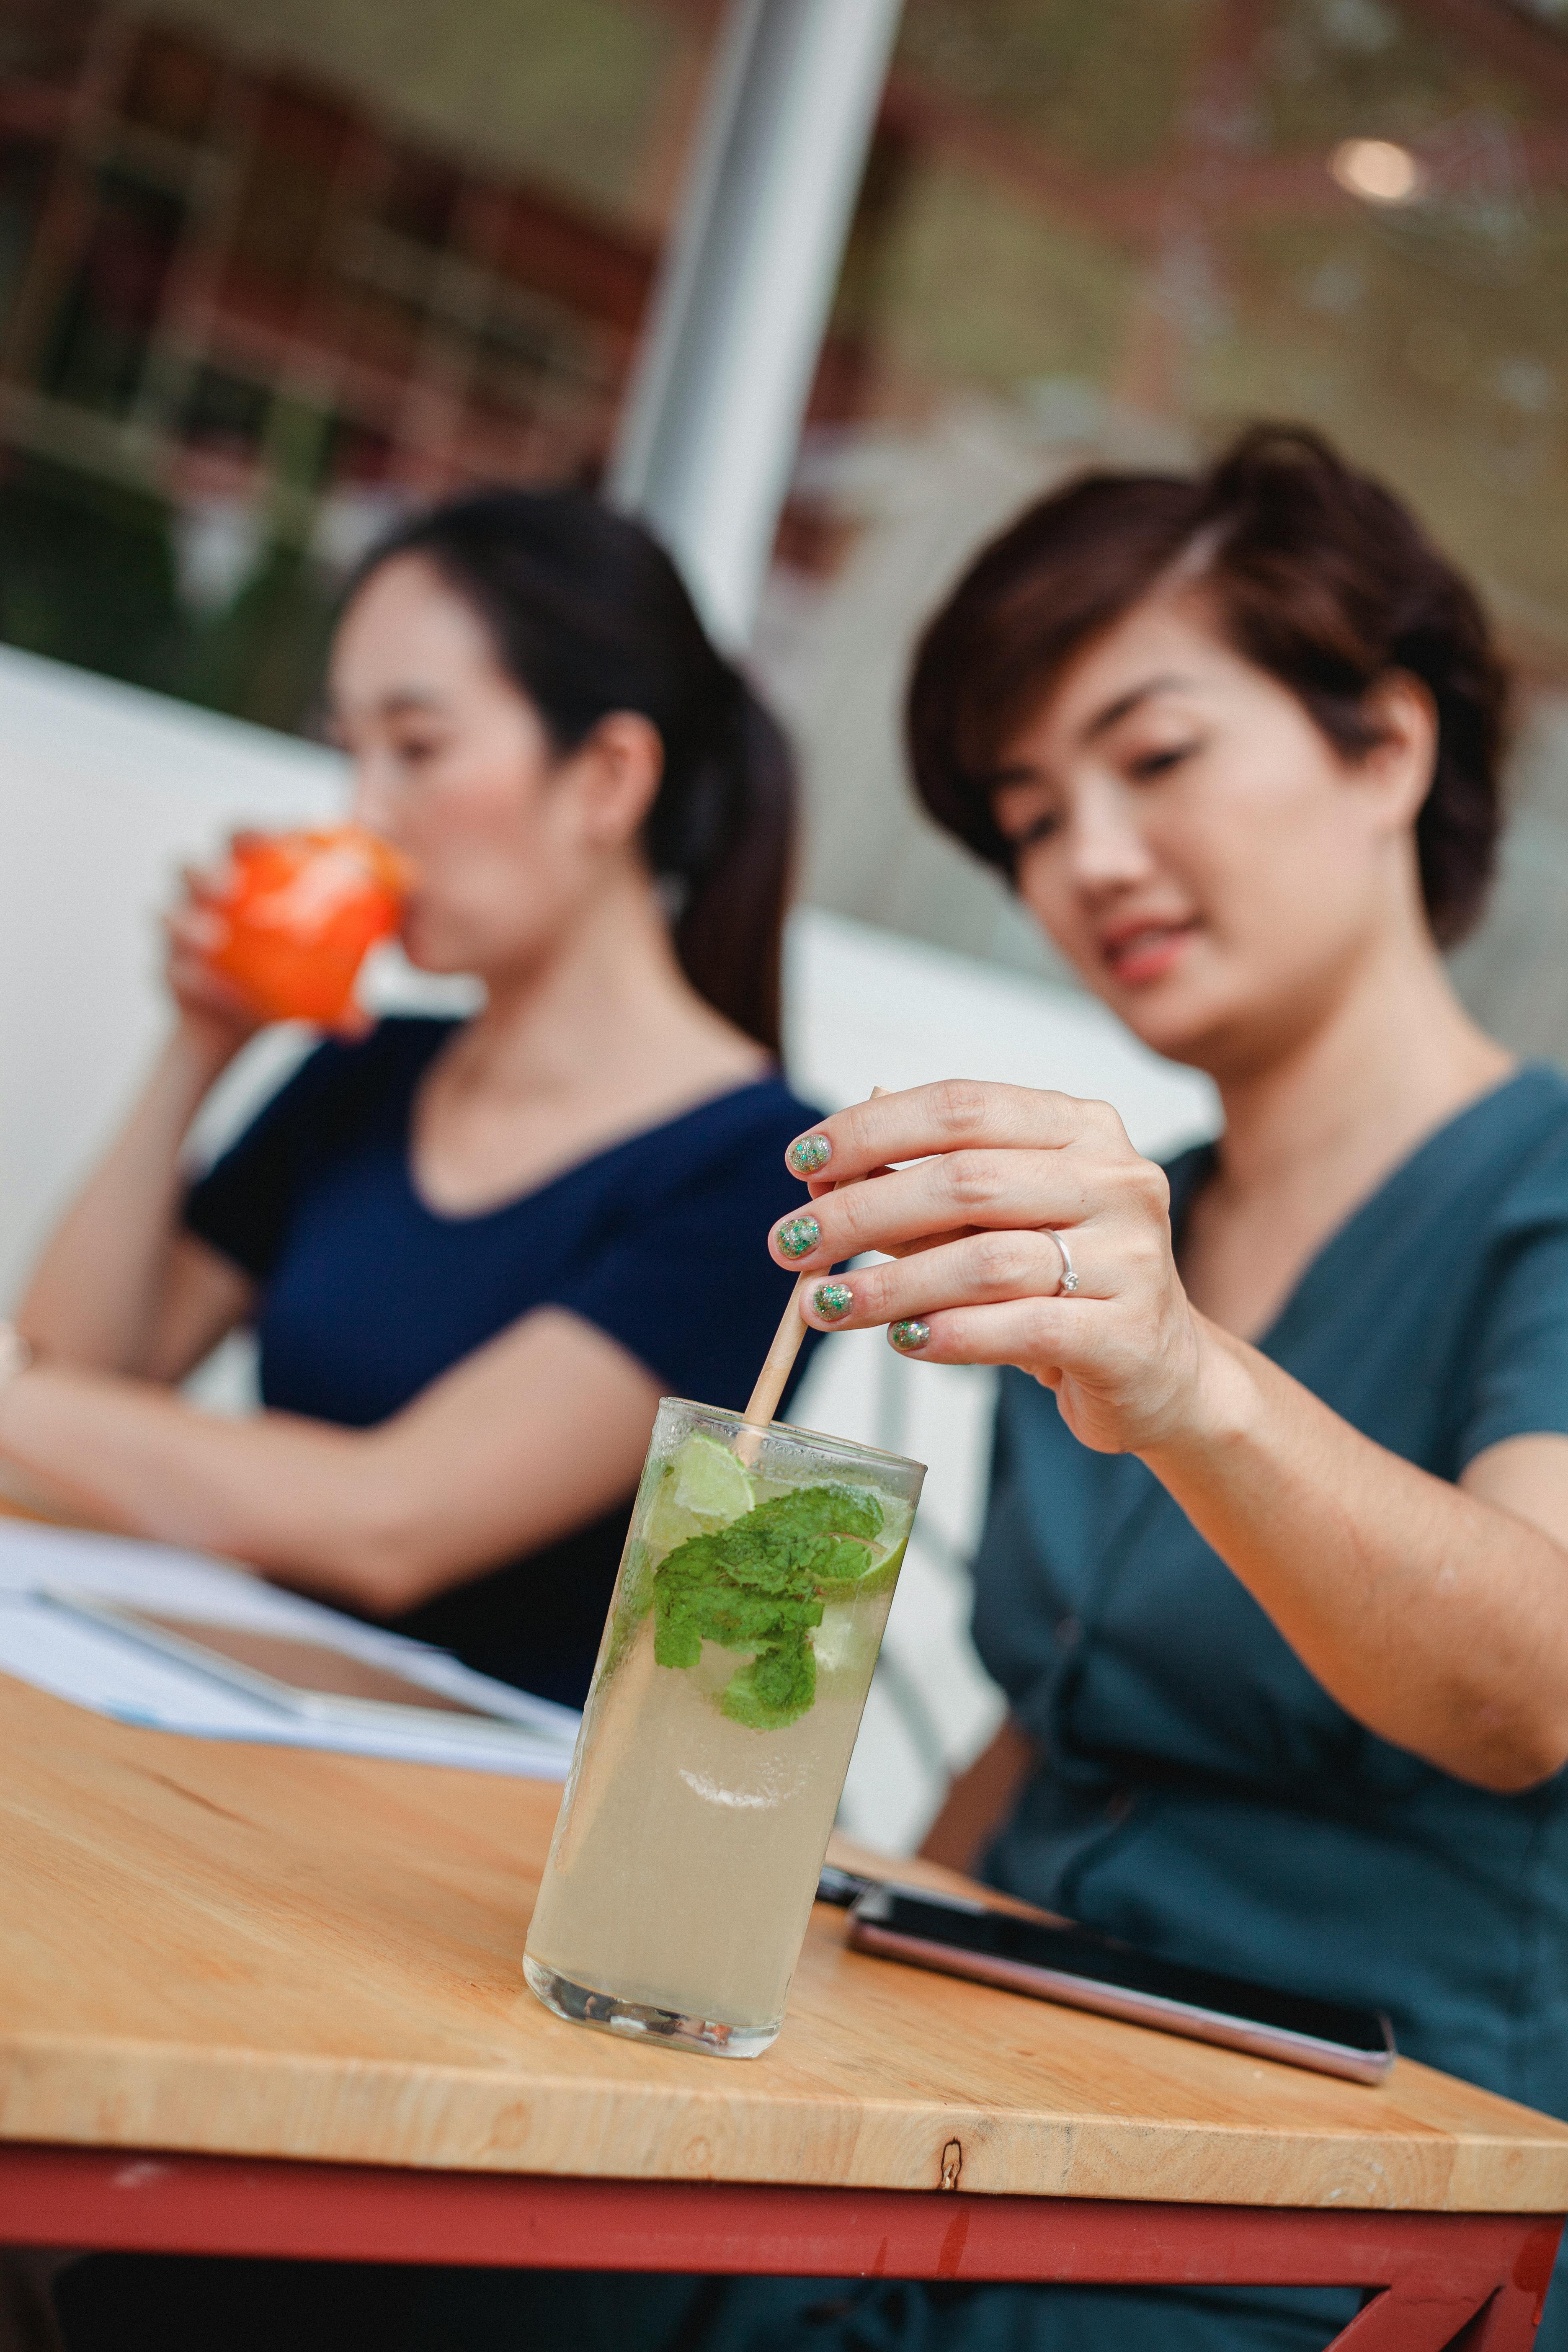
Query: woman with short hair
(1275, 1572)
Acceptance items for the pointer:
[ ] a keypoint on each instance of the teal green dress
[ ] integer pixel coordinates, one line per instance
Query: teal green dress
(1199, 1793)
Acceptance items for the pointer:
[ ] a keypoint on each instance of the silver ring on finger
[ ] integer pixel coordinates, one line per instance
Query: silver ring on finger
(1069, 1282)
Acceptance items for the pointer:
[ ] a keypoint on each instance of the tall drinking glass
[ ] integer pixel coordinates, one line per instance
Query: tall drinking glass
(757, 1577)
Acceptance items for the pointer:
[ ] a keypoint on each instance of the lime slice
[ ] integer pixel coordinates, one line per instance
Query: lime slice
(710, 1481)
(670, 1523)
(882, 1563)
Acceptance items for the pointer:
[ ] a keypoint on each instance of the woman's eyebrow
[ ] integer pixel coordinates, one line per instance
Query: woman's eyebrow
(410, 697)
(1124, 703)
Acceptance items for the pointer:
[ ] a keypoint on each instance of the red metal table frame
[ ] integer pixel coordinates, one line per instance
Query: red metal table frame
(1473, 2282)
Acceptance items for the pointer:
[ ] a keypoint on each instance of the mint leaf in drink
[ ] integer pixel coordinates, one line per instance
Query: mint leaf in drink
(757, 1586)
(819, 1511)
(775, 1689)
(695, 1601)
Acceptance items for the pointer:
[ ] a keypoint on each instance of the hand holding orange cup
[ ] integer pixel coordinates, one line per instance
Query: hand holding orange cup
(298, 914)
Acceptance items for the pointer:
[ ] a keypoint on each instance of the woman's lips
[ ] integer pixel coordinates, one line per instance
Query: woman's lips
(1135, 957)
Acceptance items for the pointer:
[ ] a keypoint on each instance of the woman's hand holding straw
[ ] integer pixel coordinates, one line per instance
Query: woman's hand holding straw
(984, 1199)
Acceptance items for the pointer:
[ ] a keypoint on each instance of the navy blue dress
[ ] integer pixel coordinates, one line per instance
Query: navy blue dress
(366, 1294)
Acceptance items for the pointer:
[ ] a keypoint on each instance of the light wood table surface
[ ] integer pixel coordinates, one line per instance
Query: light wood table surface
(218, 1951)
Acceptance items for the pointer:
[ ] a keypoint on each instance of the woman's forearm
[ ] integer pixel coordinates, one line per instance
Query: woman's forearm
(536, 1432)
(1435, 1619)
(280, 1494)
(1438, 1618)
(95, 1295)
(979, 1799)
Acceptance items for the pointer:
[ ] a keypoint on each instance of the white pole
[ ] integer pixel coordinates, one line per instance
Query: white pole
(712, 420)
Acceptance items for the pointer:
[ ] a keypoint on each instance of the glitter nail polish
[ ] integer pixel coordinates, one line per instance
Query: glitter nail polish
(809, 1153)
(910, 1336)
(833, 1300)
(797, 1235)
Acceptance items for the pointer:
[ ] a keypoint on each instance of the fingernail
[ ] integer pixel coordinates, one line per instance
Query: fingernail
(797, 1235)
(809, 1153)
(909, 1337)
(833, 1300)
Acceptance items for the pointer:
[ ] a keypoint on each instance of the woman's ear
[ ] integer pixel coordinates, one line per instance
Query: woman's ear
(616, 774)
(1400, 764)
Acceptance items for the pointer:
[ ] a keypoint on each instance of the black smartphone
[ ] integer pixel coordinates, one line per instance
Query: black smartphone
(1087, 1970)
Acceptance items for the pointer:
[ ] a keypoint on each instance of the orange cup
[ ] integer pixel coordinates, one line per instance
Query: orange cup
(300, 913)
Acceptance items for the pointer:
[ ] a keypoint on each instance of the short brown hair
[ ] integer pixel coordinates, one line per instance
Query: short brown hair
(1320, 576)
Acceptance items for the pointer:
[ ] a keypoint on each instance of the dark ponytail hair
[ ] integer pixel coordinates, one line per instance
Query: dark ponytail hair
(589, 615)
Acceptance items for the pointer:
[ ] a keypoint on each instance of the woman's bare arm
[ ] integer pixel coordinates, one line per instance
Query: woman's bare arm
(534, 1433)
(979, 1799)
(1436, 1614)
(119, 1287)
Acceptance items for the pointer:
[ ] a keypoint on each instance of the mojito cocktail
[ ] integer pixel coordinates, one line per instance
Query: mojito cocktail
(756, 1581)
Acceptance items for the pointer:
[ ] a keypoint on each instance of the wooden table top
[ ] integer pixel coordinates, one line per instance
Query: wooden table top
(230, 1950)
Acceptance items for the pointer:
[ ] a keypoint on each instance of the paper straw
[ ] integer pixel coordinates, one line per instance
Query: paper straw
(779, 1360)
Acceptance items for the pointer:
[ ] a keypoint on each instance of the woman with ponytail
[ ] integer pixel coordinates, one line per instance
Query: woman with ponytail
(465, 1246)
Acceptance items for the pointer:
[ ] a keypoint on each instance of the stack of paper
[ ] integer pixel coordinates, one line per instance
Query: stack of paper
(96, 1668)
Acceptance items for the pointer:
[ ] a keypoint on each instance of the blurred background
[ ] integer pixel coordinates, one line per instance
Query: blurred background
(270, 273)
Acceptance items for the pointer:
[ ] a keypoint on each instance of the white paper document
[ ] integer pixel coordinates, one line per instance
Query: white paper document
(95, 1667)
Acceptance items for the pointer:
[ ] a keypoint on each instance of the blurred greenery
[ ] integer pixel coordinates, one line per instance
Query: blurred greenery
(87, 575)
(263, 657)
(86, 572)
